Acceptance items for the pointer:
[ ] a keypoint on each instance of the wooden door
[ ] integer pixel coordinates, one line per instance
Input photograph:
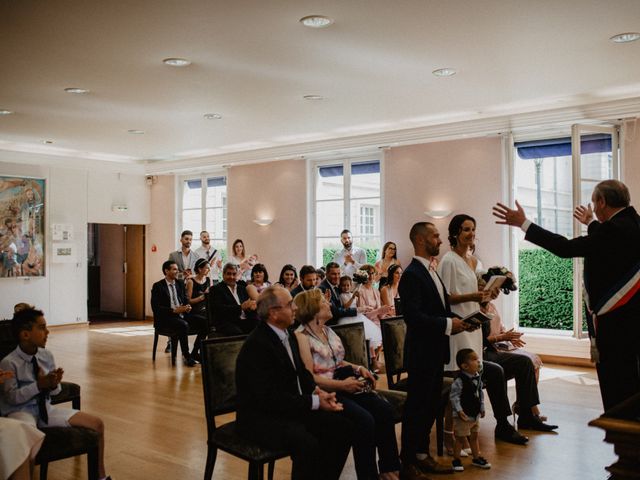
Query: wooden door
(134, 272)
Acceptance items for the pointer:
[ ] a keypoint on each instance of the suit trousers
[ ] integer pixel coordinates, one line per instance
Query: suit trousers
(319, 443)
(619, 376)
(181, 328)
(424, 398)
(522, 369)
(198, 323)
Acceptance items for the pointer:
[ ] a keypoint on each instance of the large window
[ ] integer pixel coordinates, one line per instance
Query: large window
(204, 207)
(551, 179)
(347, 195)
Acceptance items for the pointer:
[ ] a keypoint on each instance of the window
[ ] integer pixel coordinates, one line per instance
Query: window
(204, 207)
(550, 180)
(347, 195)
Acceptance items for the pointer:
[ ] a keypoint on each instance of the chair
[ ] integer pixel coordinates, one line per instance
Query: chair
(356, 350)
(64, 442)
(171, 333)
(394, 331)
(218, 381)
(70, 391)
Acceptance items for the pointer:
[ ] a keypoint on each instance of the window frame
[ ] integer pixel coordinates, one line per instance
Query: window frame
(203, 203)
(346, 162)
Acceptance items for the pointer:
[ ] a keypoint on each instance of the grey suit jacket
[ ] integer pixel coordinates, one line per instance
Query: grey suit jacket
(177, 257)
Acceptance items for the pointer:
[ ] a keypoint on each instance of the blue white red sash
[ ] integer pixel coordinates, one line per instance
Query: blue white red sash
(619, 295)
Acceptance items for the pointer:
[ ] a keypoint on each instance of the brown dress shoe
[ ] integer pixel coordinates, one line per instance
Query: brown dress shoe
(412, 472)
(431, 465)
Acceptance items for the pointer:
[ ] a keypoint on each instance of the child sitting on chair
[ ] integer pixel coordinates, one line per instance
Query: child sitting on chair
(26, 396)
(467, 403)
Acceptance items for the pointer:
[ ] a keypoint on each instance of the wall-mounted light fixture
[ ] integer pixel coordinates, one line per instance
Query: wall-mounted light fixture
(263, 222)
(437, 214)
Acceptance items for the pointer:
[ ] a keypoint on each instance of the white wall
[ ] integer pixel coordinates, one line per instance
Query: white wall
(70, 192)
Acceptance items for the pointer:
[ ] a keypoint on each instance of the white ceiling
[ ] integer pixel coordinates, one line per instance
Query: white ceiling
(253, 62)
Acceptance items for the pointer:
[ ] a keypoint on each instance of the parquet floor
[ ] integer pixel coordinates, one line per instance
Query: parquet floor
(156, 429)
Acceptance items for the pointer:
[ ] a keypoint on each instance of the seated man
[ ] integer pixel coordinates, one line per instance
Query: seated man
(332, 284)
(170, 308)
(233, 312)
(278, 402)
(308, 279)
(26, 395)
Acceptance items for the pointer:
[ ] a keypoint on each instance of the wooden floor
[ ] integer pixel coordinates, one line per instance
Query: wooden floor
(155, 423)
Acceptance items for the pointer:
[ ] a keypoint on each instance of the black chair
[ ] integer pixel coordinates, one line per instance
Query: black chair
(173, 336)
(394, 331)
(356, 350)
(65, 442)
(218, 381)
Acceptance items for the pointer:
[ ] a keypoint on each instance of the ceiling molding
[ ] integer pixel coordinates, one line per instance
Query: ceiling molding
(520, 124)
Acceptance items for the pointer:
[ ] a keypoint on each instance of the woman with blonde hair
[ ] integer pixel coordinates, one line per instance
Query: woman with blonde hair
(323, 354)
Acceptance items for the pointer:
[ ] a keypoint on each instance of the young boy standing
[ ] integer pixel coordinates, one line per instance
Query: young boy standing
(467, 403)
(26, 396)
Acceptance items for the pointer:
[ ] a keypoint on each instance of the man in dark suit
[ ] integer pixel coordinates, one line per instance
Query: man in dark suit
(331, 284)
(308, 279)
(233, 312)
(611, 251)
(426, 350)
(278, 402)
(170, 307)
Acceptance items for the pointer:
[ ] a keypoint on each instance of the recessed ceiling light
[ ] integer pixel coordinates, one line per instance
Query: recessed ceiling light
(625, 37)
(313, 97)
(212, 116)
(5, 112)
(76, 90)
(316, 21)
(136, 132)
(47, 142)
(177, 62)
(444, 72)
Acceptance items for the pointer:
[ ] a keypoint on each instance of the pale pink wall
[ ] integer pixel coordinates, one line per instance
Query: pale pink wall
(161, 232)
(463, 176)
(276, 190)
(632, 161)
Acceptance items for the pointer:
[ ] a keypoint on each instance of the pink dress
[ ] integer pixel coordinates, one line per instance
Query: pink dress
(370, 297)
(326, 356)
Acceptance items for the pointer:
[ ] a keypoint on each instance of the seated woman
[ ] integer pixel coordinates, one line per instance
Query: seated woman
(372, 331)
(288, 277)
(322, 352)
(389, 292)
(259, 281)
(388, 258)
(197, 288)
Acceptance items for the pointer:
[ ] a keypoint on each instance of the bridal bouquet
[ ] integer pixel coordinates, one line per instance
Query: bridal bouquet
(509, 284)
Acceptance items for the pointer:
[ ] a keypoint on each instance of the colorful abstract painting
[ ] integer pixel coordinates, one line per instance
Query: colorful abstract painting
(22, 228)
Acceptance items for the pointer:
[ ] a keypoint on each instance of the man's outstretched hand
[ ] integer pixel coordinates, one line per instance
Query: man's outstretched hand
(507, 216)
(583, 214)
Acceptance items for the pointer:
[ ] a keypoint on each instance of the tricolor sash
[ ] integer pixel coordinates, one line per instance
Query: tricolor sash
(620, 294)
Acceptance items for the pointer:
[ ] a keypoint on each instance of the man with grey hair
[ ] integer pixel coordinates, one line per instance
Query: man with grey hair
(278, 402)
(611, 251)
(232, 311)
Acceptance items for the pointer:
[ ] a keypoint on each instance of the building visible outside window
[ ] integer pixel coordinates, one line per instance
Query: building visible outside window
(204, 207)
(544, 188)
(347, 195)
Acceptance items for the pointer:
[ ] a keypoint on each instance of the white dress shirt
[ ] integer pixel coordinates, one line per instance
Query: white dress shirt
(359, 257)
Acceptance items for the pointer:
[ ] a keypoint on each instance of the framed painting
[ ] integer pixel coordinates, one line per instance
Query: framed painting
(22, 228)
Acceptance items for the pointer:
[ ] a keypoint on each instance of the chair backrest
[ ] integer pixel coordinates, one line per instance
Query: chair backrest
(8, 342)
(219, 375)
(393, 332)
(354, 342)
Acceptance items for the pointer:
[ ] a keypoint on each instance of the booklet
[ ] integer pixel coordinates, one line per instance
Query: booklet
(477, 318)
(495, 281)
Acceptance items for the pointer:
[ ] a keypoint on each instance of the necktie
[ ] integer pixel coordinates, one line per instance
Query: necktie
(287, 347)
(42, 396)
(433, 264)
(174, 297)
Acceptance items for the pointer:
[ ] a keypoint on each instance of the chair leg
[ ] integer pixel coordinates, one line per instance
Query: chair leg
(92, 464)
(174, 350)
(211, 463)
(44, 467)
(272, 465)
(75, 403)
(155, 345)
(256, 471)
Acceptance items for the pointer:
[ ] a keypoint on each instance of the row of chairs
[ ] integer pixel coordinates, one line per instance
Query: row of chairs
(218, 380)
(59, 442)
